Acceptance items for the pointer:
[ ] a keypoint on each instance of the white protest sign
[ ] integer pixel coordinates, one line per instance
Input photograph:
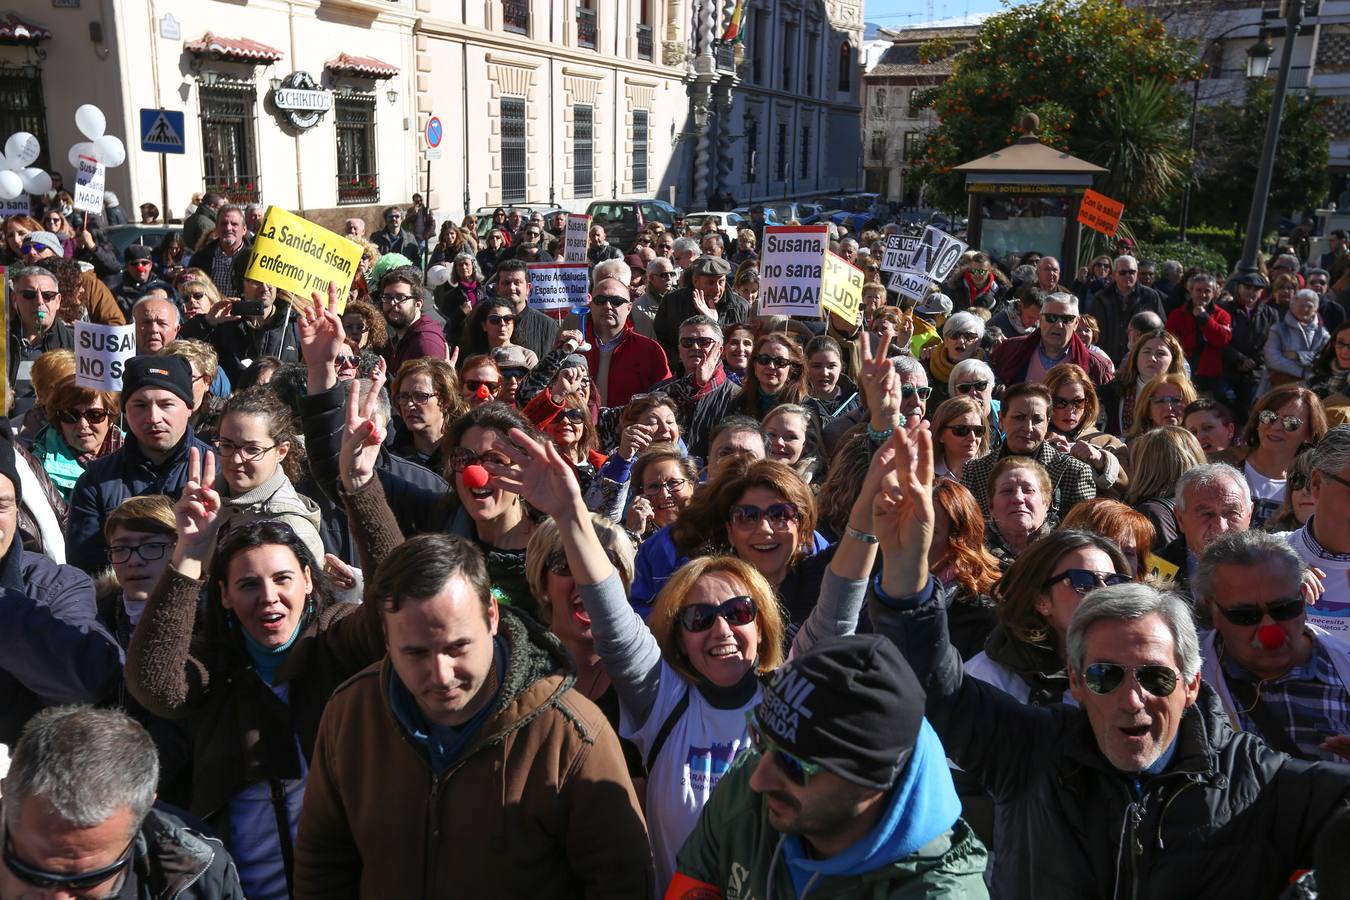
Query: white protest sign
(89, 185)
(936, 254)
(100, 353)
(899, 250)
(791, 266)
(19, 206)
(559, 285)
(909, 284)
(575, 237)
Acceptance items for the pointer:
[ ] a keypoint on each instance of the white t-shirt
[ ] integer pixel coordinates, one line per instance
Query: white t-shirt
(696, 754)
(1332, 610)
(1267, 494)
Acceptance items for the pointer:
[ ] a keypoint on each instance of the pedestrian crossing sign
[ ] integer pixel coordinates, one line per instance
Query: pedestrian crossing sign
(162, 131)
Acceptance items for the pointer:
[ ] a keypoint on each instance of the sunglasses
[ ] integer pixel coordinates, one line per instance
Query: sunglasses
(609, 300)
(780, 515)
(1066, 402)
(1270, 417)
(558, 565)
(702, 343)
(777, 362)
(73, 416)
(1251, 614)
(73, 883)
(972, 387)
(1084, 580)
(966, 430)
(198, 295)
(1059, 318)
(909, 390)
(501, 320)
(462, 457)
(572, 415)
(514, 372)
(346, 362)
(474, 384)
(1103, 678)
(701, 616)
(34, 293)
(797, 770)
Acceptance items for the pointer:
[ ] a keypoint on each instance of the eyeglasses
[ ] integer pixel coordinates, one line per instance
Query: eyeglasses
(777, 362)
(609, 299)
(462, 457)
(250, 452)
(797, 770)
(977, 387)
(120, 553)
(658, 273)
(1084, 580)
(395, 298)
(701, 616)
(780, 515)
(909, 390)
(1249, 614)
(1103, 678)
(1127, 271)
(420, 398)
(501, 320)
(71, 883)
(702, 343)
(474, 384)
(966, 430)
(1066, 402)
(572, 414)
(1343, 345)
(1179, 402)
(34, 293)
(73, 416)
(1059, 318)
(670, 486)
(514, 372)
(1270, 417)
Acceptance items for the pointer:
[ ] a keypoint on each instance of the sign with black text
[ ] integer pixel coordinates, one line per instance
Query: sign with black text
(899, 251)
(791, 268)
(559, 285)
(936, 254)
(100, 353)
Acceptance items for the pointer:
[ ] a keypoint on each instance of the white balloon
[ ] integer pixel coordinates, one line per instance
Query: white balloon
(438, 275)
(21, 149)
(11, 185)
(110, 150)
(36, 181)
(84, 148)
(91, 122)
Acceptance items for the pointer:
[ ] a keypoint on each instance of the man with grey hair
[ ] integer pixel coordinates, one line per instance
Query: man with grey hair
(1211, 501)
(660, 281)
(1055, 340)
(1114, 305)
(1276, 674)
(611, 268)
(704, 394)
(1324, 540)
(1122, 795)
(1169, 284)
(79, 820)
(253, 219)
(909, 399)
(685, 252)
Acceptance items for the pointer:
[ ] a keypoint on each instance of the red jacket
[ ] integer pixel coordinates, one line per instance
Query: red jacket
(1208, 338)
(1011, 359)
(636, 363)
(423, 338)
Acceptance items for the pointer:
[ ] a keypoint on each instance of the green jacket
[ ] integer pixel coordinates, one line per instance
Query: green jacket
(734, 849)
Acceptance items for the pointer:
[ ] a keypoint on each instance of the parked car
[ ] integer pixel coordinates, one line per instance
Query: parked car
(727, 222)
(484, 214)
(771, 216)
(123, 236)
(623, 219)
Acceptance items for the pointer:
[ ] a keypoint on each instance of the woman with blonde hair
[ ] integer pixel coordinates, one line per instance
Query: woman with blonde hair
(1155, 353)
(961, 433)
(1161, 401)
(198, 292)
(1158, 459)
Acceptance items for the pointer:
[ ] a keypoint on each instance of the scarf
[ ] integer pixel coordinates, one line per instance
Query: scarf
(939, 364)
(976, 292)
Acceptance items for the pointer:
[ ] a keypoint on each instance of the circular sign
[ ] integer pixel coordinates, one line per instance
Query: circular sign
(302, 100)
(434, 132)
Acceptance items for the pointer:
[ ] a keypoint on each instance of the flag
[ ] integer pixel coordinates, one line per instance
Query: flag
(733, 33)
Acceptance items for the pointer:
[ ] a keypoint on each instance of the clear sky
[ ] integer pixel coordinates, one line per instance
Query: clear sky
(890, 13)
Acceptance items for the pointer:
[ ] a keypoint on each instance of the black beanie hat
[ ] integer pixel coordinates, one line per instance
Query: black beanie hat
(170, 373)
(850, 704)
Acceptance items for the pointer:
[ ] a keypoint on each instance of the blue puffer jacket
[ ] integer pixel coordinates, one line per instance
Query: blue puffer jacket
(108, 481)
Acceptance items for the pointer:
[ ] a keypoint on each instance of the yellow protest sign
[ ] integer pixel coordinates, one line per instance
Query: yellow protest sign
(842, 286)
(1160, 569)
(301, 257)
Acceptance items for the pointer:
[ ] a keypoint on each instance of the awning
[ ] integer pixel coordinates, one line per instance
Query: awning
(237, 49)
(362, 66)
(14, 30)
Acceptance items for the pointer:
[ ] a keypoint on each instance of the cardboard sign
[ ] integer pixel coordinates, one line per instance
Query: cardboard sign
(100, 353)
(19, 206)
(909, 284)
(559, 285)
(301, 257)
(1100, 213)
(89, 185)
(575, 237)
(936, 254)
(791, 268)
(1160, 569)
(841, 292)
(899, 251)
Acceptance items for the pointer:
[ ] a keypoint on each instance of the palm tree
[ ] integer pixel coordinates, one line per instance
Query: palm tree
(1146, 163)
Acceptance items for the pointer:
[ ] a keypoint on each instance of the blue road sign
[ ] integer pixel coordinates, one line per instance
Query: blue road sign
(434, 132)
(162, 131)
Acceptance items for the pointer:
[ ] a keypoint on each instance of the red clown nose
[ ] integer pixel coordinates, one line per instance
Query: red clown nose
(1270, 636)
(475, 477)
(482, 393)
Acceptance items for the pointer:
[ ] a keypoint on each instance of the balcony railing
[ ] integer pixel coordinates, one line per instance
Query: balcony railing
(644, 38)
(516, 16)
(358, 188)
(237, 189)
(585, 28)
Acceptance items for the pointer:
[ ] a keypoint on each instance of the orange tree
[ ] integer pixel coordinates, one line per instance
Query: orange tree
(1105, 79)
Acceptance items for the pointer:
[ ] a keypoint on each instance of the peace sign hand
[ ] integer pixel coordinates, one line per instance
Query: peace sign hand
(322, 337)
(881, 384)
(196, 514)
(362, 437)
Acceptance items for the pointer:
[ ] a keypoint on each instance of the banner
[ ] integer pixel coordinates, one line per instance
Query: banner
(791, 266)
(1100, 213)
(100, 353)
(909, 284)
(559, 285)
(89, 185)
(936, 254)
(4, 324)
(841, 292)
(298, 256)
(899, 251)
(19, 206)
(575, 237)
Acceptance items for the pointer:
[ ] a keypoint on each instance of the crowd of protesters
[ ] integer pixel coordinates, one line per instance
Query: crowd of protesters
(1035, 586)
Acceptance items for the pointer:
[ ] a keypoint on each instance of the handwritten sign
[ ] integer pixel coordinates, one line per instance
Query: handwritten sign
(100, 353)
(1100, 213)
(898, 252)
(19, 206)
(298, 256)
(791, 267)
(575, 237)
(841, 292)
(936, 254)
(89, 185)
(909, 284)
(559, 285)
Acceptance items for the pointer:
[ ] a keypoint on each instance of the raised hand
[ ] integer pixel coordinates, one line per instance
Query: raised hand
(702, 305)
(881, 384)
(569, 382)
(640, 516)
(196, 514)
(538, 473)
(361, 437)
(902, 513)
(635, 438)
(322, 337)
(220, 312)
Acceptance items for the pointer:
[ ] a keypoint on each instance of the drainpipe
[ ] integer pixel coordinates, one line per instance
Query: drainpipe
(299, 157)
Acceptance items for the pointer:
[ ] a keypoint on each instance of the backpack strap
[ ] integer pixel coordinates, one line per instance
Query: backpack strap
(676, 713)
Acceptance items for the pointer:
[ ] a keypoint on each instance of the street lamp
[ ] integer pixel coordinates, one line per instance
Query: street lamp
(1258, 58)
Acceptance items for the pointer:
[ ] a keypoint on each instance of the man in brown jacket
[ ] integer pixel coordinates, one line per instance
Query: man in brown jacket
(465, 764)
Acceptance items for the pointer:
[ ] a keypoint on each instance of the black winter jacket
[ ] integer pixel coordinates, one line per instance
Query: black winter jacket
(1228, 818)
(172, 860)
(1251, 327)
(235, 342)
